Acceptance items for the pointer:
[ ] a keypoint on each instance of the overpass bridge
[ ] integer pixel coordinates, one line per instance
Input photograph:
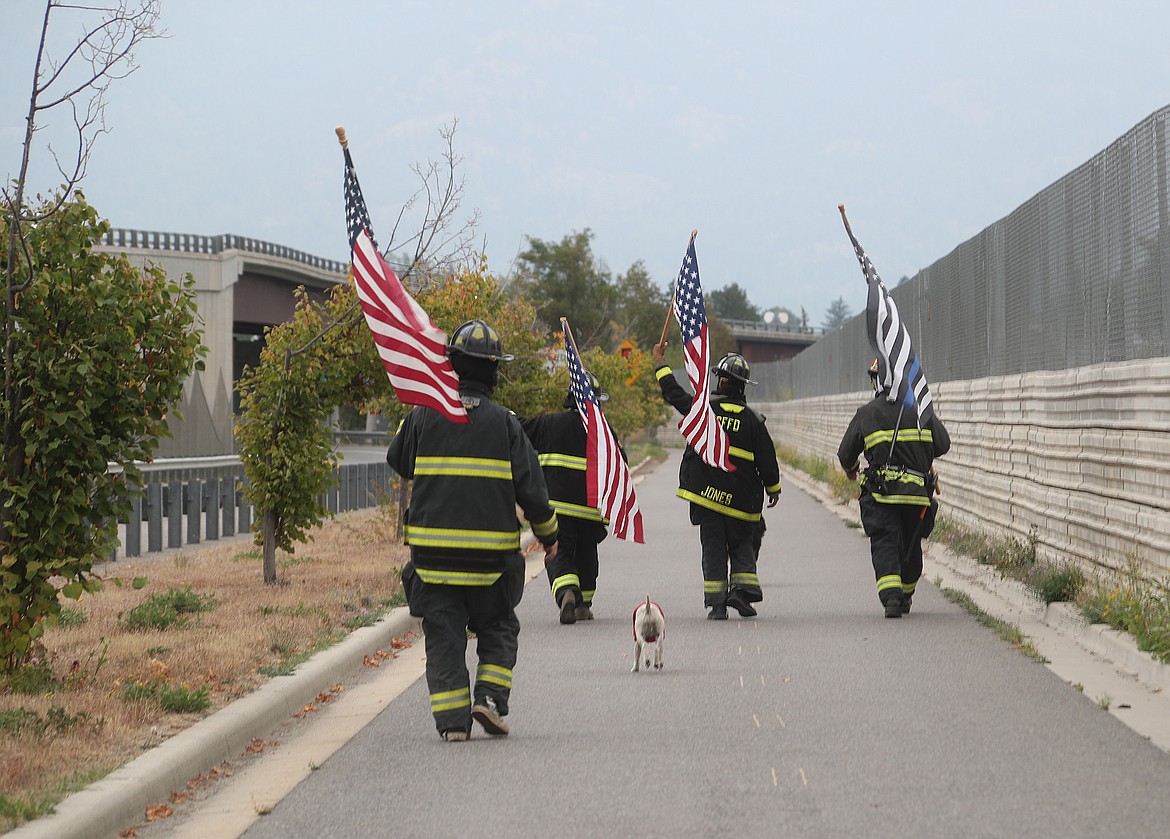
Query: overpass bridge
(762, 341)
(242, 286)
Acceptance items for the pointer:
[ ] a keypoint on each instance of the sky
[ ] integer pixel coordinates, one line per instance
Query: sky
(640, 121)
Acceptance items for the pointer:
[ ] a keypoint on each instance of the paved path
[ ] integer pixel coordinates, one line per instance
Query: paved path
(819, 718)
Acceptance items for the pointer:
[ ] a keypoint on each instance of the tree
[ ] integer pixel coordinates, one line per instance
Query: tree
(99, 350)
(95, 351)
(731, 303)
(563, 279)
(837, 313)
(641, 308)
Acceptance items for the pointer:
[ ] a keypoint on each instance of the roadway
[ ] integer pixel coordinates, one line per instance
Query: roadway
(819, 718)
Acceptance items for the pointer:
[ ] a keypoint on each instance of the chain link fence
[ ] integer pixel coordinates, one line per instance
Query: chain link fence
(1077, 275)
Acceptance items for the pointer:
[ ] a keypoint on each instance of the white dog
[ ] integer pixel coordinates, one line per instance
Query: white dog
(649, 632)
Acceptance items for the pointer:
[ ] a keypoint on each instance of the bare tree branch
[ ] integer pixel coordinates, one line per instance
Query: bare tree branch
(103, 54)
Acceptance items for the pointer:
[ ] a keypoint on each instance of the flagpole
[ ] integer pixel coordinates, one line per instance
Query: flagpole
(569, 334)
(674, 291)
(845, 218)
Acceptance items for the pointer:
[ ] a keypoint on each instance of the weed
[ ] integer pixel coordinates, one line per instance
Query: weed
(182, 699)
(33, 678)
(70, 617)
(1057, 583)
(23, 722)
(163, 611)
(1129, 601)
(80, 674)
(157, 652)
(1009, 632)
(19, 810)
(139, 691)
(1104, 702)
(360, 619)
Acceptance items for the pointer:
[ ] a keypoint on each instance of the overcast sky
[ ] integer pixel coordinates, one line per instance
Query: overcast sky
(638, 120)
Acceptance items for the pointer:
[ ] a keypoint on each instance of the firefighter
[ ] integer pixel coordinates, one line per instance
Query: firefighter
(560, 439)
(727, 506)
(896, 499)
(466, 571)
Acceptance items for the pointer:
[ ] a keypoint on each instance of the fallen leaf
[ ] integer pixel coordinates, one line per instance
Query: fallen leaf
(158, 811)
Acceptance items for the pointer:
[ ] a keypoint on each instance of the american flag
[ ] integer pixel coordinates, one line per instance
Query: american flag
(699, 427)
(899, 369)
(412, 348)
(610, 488)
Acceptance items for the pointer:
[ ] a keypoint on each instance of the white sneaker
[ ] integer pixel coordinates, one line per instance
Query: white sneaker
(484, 712)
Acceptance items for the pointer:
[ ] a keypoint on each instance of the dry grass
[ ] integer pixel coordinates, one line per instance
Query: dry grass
(85, 725)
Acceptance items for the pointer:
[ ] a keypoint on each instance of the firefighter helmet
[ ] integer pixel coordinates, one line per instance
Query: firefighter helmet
(734, 366)
(478, 340)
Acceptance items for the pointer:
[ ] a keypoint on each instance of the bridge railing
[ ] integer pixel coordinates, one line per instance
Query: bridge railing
(191, 243)
(736, 325)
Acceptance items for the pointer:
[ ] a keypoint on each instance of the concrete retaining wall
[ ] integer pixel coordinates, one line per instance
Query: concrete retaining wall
(1081, 456)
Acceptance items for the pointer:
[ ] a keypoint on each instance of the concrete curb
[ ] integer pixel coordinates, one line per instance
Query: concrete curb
(106, 807)
(1098, 639)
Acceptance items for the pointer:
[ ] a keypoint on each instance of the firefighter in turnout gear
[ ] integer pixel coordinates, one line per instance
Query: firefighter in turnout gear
(727, 506)
(466, 571)
(897, 505)
(560, 440)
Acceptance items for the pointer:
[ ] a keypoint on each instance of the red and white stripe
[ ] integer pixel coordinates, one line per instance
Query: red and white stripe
(413, 350)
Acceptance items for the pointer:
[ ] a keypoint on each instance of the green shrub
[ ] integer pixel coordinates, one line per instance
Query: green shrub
(163, 611)
(33, 678)
(1057, 583)
(181, 699)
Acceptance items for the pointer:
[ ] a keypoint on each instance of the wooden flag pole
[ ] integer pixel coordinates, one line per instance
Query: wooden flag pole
(845, 219)
(673, 292)
(341, 138)
(569, 334)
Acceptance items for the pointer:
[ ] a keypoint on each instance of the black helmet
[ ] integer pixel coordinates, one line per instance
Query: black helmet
(478, 340)
(734, 366)
(595, 383)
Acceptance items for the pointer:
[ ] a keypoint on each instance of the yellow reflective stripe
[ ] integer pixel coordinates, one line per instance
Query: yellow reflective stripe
(565, 461)
(501, 676)
(695, 498)
(745, 579)
(565, 580)
(468, 467)
(913, 500)
(457, 578)
(714, 586)
(544, 528)
(889, 581)
(742, 454)
(902, 477)
(662, 372)
(449, 700)
(774, 489)
(908, 588)
(905, 435)
(587, 596)
(731, 407)
(577, 511)
(449, 537)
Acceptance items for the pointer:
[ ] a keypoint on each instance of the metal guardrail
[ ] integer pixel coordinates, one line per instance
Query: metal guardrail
(192, 505)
